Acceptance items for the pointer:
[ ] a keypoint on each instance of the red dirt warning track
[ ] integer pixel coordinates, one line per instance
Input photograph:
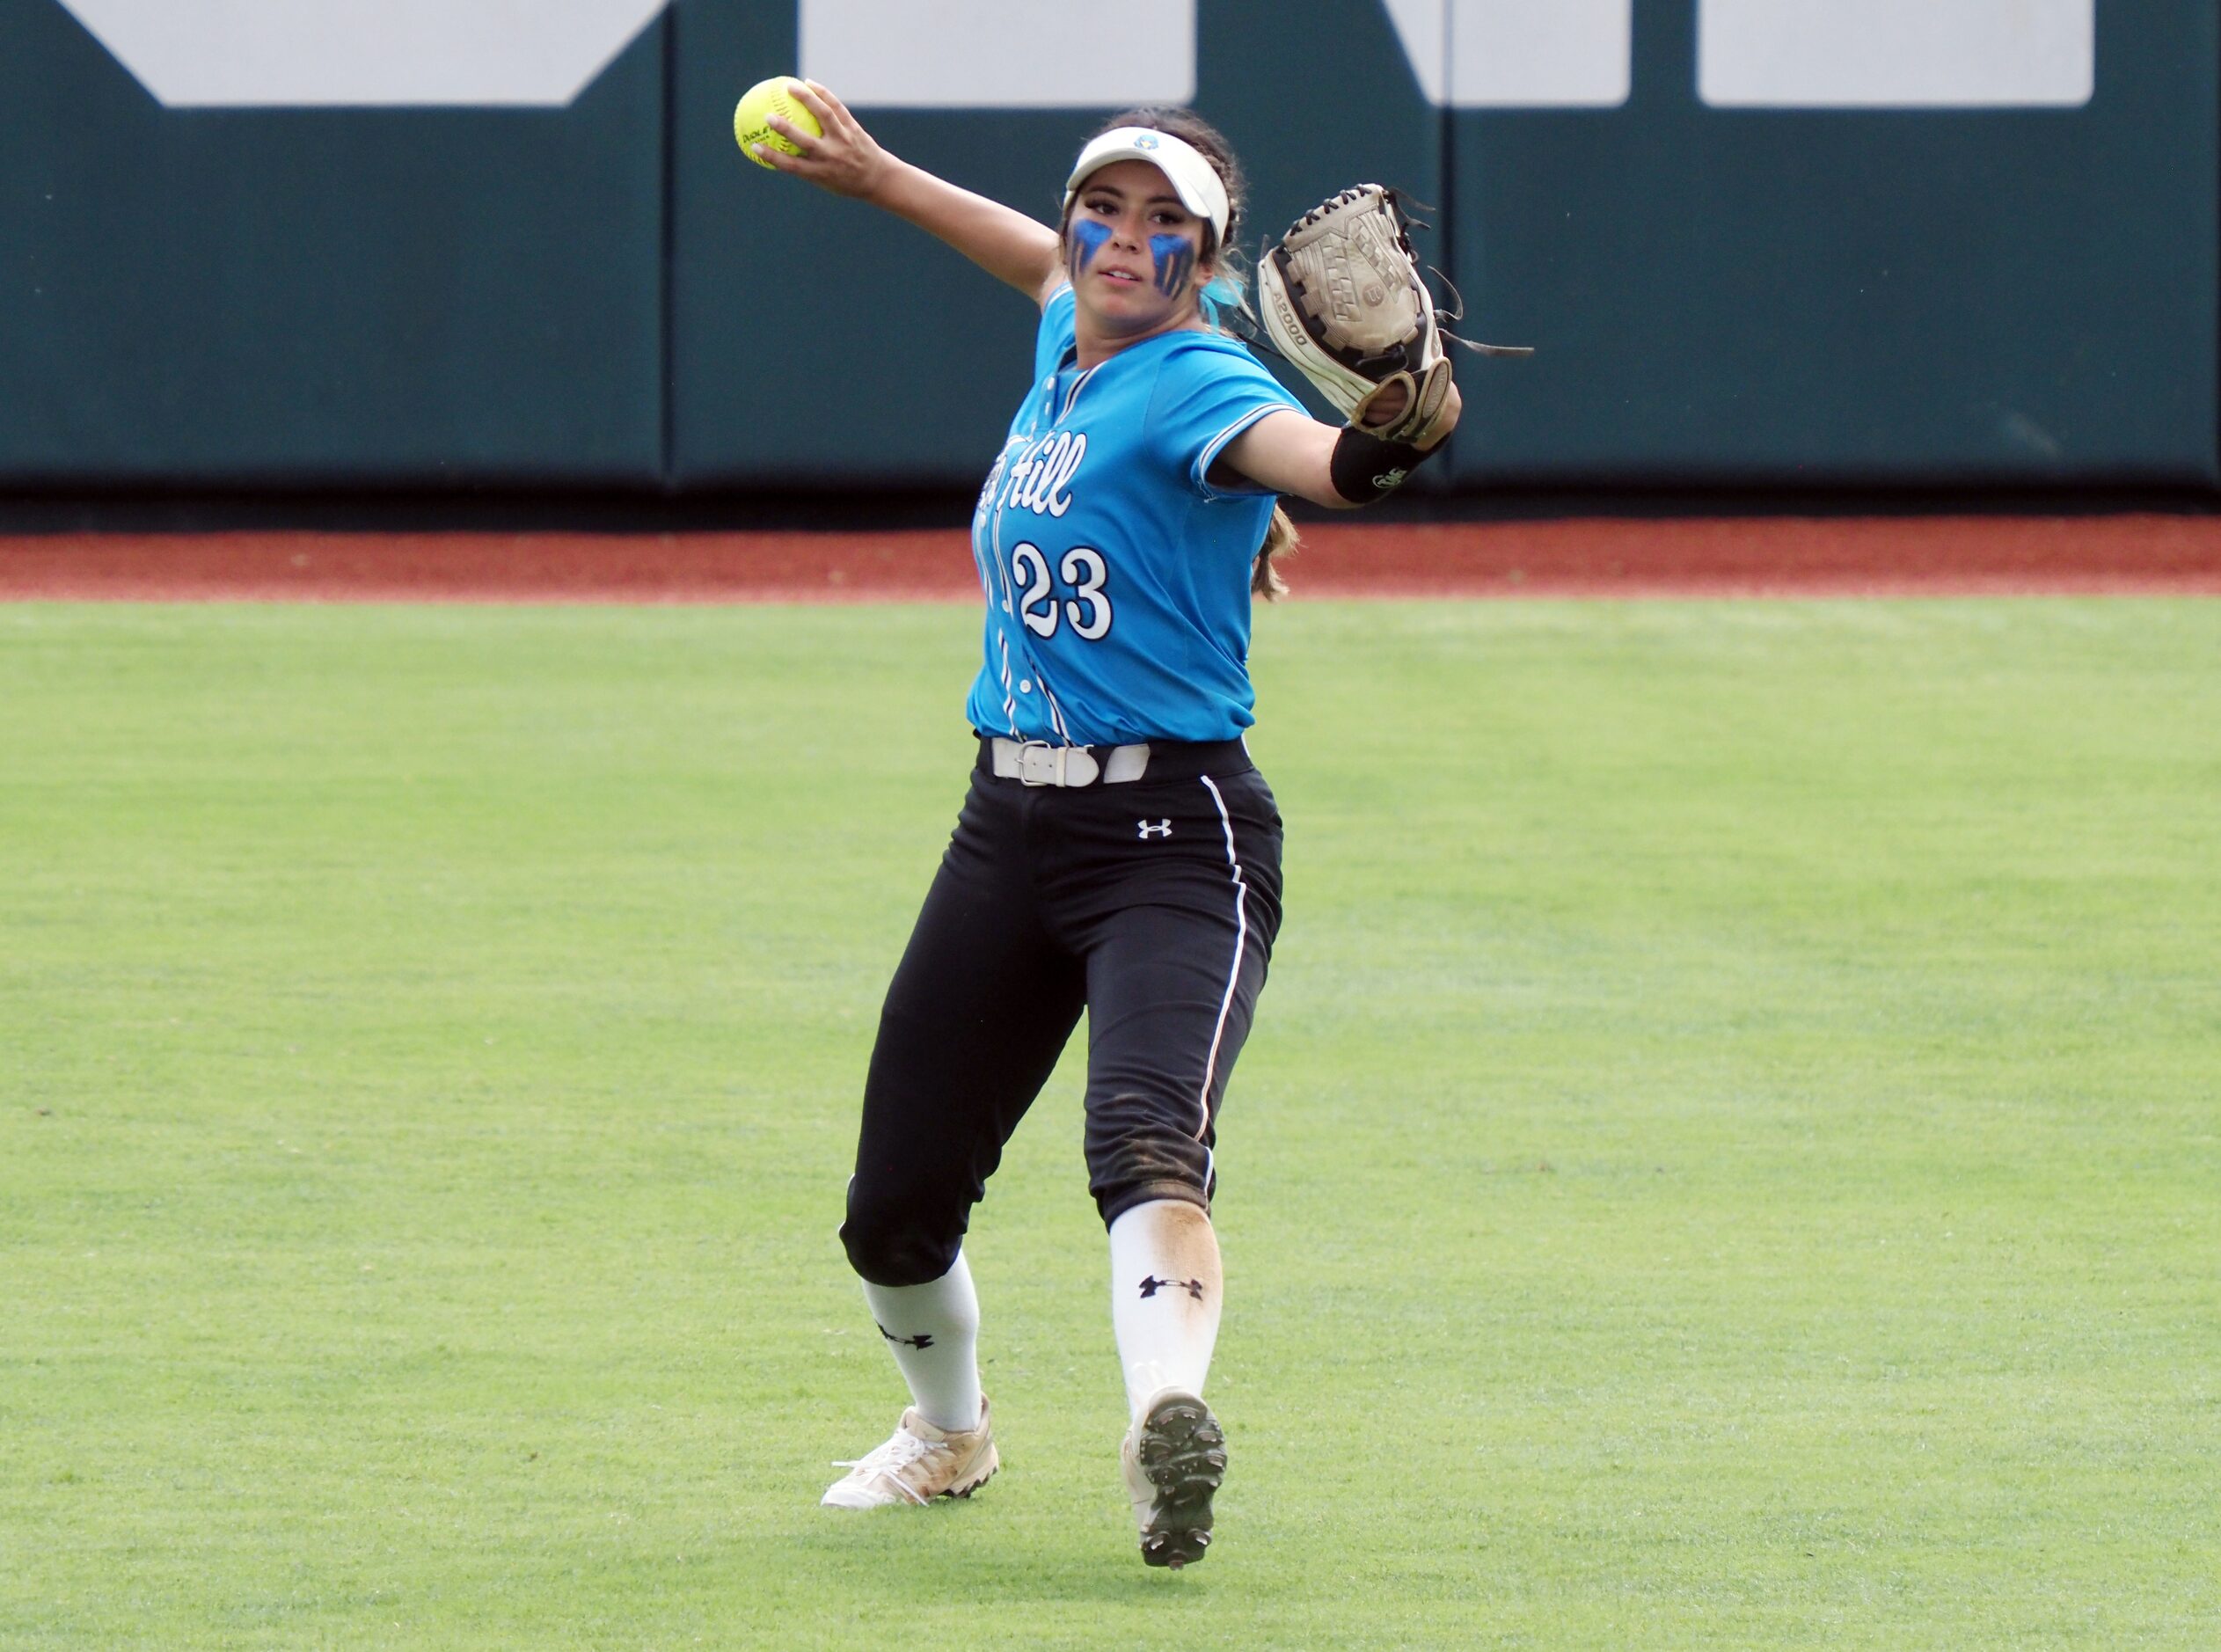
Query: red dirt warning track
(1771, 556)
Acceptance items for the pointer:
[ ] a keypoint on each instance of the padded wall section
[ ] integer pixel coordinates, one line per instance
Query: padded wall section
(1720, 295)
(818, 342)
(1874, 296)
(324, 297)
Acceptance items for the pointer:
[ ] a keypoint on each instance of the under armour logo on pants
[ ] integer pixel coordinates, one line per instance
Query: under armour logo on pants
(1163, 828)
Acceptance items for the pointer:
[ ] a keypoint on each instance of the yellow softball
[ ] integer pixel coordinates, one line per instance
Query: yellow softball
(774, 96)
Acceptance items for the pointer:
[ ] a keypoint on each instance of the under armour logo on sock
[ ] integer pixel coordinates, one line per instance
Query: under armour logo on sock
(1163, 828)
(1152, 1285)
(921, 1341)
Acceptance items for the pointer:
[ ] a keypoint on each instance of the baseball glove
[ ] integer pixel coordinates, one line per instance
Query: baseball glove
(1341, 297)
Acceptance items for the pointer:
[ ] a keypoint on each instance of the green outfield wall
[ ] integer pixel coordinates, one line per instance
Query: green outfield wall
(1853, 295)
(1745, 256)
(326, 296)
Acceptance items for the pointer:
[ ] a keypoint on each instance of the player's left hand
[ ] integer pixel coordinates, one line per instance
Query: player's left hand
(1388, 406)
(844, 159)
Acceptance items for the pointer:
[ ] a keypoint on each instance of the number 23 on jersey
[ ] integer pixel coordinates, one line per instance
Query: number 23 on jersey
(1087, 610)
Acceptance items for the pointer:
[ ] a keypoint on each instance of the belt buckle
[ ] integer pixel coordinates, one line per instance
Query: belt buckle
(1046, 772)
(1041, 763)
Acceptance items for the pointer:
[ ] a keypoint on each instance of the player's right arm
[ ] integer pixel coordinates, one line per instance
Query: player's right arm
(848, 160)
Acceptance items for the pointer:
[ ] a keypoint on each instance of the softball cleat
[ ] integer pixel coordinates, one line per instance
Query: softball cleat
(1174, 1459)
(917, 1464)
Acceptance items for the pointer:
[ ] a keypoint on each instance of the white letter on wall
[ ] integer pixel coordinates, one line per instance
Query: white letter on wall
(237, 54)
(1897, 54)
(1518, 53)
(1000, 54)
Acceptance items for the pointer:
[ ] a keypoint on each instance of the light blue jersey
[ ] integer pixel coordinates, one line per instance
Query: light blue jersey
(1117, 577)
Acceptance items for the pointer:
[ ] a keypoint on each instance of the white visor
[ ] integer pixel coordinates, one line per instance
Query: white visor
(1193, 179)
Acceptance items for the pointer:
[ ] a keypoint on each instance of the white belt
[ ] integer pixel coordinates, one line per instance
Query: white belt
(1037, 762)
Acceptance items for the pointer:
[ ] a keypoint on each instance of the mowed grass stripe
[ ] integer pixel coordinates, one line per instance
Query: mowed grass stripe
(1729, 1156)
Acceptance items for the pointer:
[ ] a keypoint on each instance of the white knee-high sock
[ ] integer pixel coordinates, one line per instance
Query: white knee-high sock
(1165, 1298)
(933, 1332)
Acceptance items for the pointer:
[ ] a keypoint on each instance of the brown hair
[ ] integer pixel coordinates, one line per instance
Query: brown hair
(1281, 539)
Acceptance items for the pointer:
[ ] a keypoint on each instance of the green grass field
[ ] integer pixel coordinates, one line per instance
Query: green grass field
(1730, 1155)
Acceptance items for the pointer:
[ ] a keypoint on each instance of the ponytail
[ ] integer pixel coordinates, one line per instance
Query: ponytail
(1280, 540)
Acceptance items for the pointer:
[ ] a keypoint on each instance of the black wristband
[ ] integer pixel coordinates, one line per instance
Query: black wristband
(1365, 468)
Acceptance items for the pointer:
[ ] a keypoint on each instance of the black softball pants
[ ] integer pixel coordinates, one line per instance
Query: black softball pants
(1152, 905)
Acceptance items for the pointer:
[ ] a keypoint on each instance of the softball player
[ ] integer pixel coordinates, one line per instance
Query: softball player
(1117, 851)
